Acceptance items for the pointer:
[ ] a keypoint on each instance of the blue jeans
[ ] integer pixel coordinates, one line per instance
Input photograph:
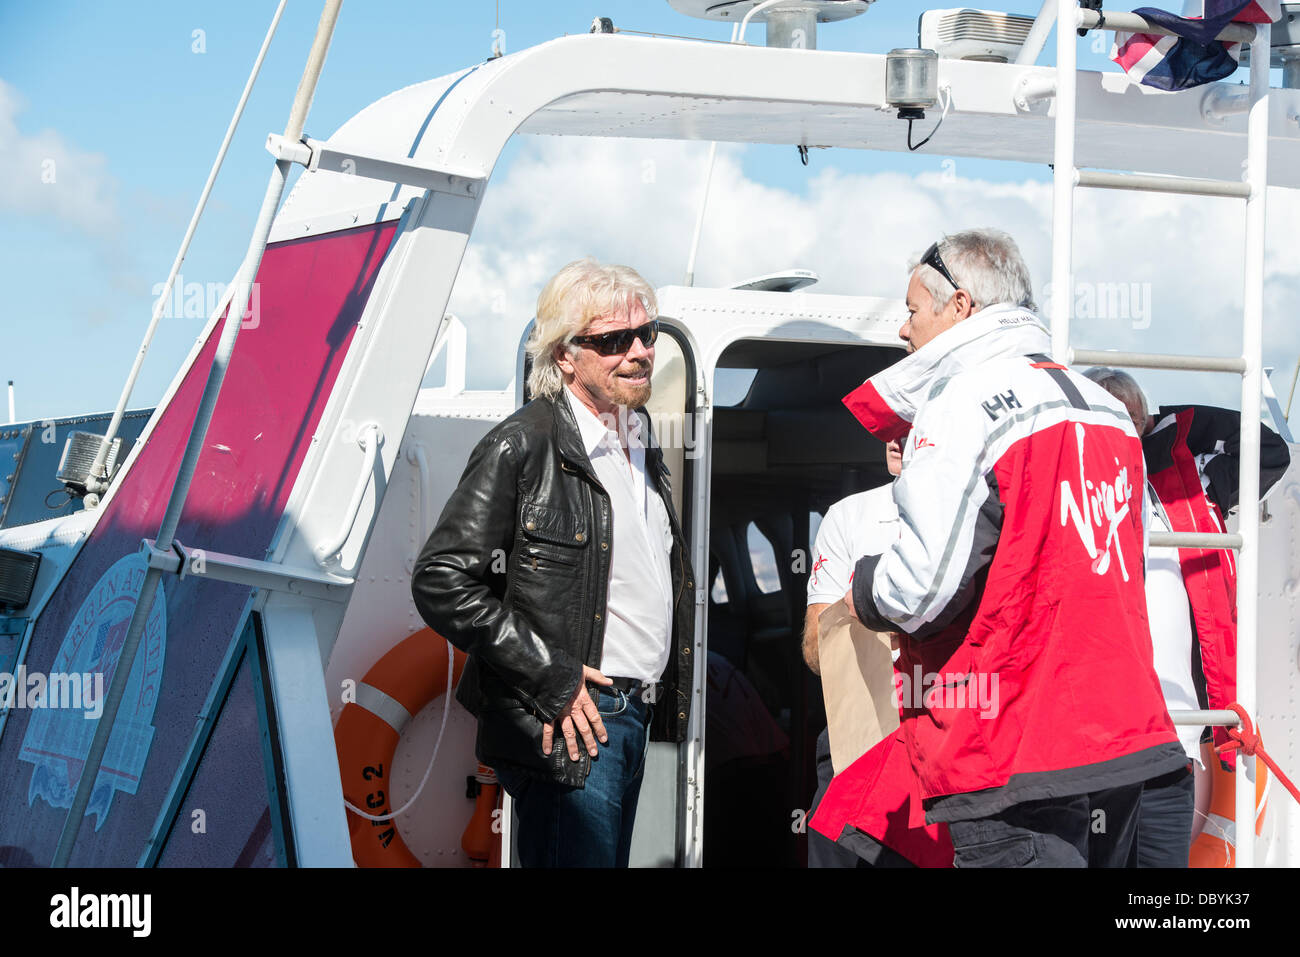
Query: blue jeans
(560, 826)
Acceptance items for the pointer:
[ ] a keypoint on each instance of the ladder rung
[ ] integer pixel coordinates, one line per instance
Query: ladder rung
(1149, 360)
(1195, 540)
(1162, 184)
(1227, 719)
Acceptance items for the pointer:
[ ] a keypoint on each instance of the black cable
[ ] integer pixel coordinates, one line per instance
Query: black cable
(920, 144)
(66, 491)
(928, 138)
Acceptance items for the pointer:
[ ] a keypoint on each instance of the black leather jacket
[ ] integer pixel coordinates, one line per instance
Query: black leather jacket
(516, 574)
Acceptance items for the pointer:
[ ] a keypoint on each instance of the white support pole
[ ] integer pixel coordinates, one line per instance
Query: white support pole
(1038, 33)
(12, 420)
(1067, 13)
(699, 218)
(1251, 386)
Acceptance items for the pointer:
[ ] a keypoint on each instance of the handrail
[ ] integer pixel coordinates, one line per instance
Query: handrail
(1198, 719)
(326, 551)
(1136, 23)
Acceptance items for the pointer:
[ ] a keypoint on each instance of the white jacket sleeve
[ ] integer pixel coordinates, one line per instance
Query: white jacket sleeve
(950, 516)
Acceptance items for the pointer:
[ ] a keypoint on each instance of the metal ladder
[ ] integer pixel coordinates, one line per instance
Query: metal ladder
(1253, 189)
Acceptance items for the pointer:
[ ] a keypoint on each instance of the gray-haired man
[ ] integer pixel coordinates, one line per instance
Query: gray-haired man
(1031, 683)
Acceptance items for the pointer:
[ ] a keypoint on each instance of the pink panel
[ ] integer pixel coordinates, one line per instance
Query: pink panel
(310, 295)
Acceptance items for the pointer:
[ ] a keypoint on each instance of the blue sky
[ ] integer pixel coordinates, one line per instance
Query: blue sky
(129, 102)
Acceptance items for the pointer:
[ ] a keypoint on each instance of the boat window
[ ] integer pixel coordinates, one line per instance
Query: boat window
(225, 820)
(228, 816)
(762, 559)
(730, 386)
(719, 592)
(672, 387)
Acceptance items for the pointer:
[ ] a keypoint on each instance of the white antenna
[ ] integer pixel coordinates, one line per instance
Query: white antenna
(12, 418)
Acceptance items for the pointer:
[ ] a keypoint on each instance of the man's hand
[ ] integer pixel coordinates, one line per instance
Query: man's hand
(580, 711)
(848, 601)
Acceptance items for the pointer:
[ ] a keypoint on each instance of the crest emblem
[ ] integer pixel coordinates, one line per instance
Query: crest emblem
(58, 739)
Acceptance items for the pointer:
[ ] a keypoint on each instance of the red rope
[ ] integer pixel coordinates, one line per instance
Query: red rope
(1247, 740)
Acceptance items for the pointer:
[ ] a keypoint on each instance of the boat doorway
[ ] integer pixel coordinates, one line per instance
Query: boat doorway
(783, 449)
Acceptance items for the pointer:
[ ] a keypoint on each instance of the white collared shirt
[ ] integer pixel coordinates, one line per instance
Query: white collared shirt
(865, 523)
(639, 604)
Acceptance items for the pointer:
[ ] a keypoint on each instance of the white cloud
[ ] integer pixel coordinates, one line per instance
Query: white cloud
(1176, 260)
(42, 175)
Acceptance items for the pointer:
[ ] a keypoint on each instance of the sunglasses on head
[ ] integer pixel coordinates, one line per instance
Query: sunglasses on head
(620, 340)
(932, 259)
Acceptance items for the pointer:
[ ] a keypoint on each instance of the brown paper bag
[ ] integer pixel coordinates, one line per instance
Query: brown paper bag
(857, 684)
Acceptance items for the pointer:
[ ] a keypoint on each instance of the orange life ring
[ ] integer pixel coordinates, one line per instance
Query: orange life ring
(402, 682)
(1215, 846)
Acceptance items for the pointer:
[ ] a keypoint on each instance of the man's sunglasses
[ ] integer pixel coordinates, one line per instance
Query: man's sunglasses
(931, 258)
(618, 342)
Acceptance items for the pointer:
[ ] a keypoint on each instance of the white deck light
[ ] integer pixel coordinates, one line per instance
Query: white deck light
(911, 82)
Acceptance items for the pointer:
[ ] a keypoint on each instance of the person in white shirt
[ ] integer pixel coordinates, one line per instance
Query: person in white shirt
(861, 524)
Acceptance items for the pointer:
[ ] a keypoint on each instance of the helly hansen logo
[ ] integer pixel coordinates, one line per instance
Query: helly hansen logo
(1003, 402)
(1100, 504)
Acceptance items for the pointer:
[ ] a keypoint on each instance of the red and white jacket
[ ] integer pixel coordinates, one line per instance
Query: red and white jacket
(1192, 455)
(1017, 580)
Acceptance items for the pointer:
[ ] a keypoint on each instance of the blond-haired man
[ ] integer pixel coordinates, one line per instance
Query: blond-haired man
(559, 566)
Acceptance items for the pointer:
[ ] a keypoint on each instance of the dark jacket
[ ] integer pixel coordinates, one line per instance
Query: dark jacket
(516, 574)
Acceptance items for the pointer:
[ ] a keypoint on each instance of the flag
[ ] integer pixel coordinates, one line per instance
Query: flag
(1193, 56)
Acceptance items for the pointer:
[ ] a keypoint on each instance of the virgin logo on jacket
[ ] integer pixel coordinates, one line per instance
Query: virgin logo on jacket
(1098, 502)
